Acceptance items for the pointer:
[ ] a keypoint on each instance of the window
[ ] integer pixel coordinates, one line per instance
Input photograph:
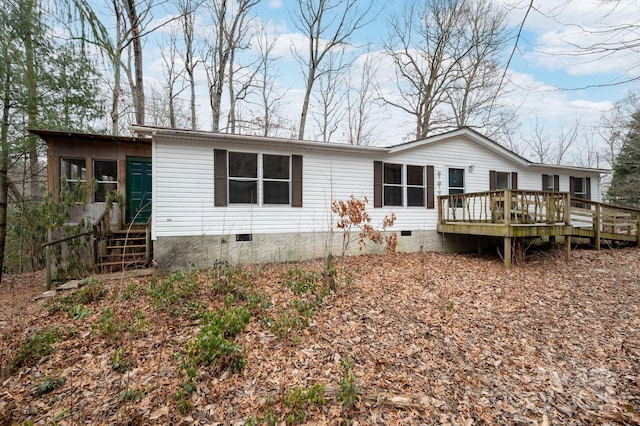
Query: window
(388, 185)
(456, 185)
(548, 183)
(551, 183)
(275, 178)
(415, 186)
(500, 181)
(503, 180)
(238, 176)
(456, 181)
(73, 172)
(580, 189)
(105, 174)
(392, 184)
(243, 178)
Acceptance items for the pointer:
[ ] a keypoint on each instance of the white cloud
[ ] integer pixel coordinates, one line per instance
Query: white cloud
(275, 4)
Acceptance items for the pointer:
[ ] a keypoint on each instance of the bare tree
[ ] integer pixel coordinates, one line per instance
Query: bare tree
(471, 97)
(241, 78)
(165, 113)
(425, 47)
(329, 98)
(552, 149)
(604, 40)
(445, 54)
(269, 99)
(361, 96)
(229, 18)
(187, 9)
(136, 23)
(326, 24)
(614, 125)
(173, 76)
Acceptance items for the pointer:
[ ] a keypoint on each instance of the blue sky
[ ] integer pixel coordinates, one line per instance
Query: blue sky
(551, 86)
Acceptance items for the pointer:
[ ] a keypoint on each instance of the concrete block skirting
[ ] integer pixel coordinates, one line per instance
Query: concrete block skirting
(202, 251)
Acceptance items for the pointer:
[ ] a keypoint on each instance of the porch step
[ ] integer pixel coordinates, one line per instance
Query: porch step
(125, 249)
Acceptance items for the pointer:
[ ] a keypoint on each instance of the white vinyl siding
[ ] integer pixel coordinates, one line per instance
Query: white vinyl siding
(184, 186)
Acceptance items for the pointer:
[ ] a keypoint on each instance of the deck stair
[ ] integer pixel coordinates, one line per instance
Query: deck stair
(124, 249)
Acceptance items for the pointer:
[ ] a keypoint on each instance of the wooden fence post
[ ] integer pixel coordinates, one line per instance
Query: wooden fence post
(597, 221)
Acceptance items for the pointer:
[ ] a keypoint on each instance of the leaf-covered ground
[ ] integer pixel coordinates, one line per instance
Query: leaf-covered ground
(425, 338)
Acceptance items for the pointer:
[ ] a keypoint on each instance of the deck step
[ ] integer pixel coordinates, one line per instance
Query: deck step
(125, 249)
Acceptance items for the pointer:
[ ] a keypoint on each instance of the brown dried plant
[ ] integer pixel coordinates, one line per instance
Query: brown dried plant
(352, 214)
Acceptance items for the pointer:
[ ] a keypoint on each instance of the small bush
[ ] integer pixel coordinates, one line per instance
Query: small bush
(119, 361)
(38, 345)
(49, 384)
(212, 348)
(299, 400)
(108, 326)
(349, 389)
(79, 312)
(92, 291)
(173, 293)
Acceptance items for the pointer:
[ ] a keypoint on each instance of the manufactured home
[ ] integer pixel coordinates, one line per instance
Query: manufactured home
(259, 199)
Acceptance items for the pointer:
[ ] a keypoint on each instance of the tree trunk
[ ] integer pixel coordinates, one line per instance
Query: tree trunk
(137, 91)
(305, 104)
(4, 157)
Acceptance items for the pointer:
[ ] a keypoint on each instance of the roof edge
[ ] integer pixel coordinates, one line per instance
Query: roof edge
(253, 139)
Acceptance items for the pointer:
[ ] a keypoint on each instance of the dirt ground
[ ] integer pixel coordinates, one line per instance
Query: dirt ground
(432, 339)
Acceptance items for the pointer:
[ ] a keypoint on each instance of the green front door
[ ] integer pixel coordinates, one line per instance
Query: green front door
(138, 189)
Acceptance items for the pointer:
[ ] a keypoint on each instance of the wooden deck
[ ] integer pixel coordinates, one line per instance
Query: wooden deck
(515, 215)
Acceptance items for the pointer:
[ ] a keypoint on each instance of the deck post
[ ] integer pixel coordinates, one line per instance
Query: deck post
(519, 254)
(597, 217)
(567, 221)
(440, 206)
(638, 229)
(507, 252)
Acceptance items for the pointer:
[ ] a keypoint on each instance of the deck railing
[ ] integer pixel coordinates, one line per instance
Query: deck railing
(100, 229)
(505, 206)
(587, 218)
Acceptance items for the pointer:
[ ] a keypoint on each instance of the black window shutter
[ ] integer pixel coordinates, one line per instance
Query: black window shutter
(514, 180)
(556, 183)
(219, 177)
(296, 181)
(377, 184)
(493, 180)
(588, 189)
(430, 188)
(572, 185)
(544, 182)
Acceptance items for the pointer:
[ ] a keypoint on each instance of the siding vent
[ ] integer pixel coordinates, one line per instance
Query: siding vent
(405, 233)
(244, 237)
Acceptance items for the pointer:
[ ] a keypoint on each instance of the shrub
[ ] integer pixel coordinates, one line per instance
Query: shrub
(298, 401)
(38, 345)
(174, 293)
(49, 384)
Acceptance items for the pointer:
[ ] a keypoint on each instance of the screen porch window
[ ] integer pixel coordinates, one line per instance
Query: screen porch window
(243, 178)
(276, 178)
(392, 184)
(415, 186)
(105, 174)
(73, 172)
